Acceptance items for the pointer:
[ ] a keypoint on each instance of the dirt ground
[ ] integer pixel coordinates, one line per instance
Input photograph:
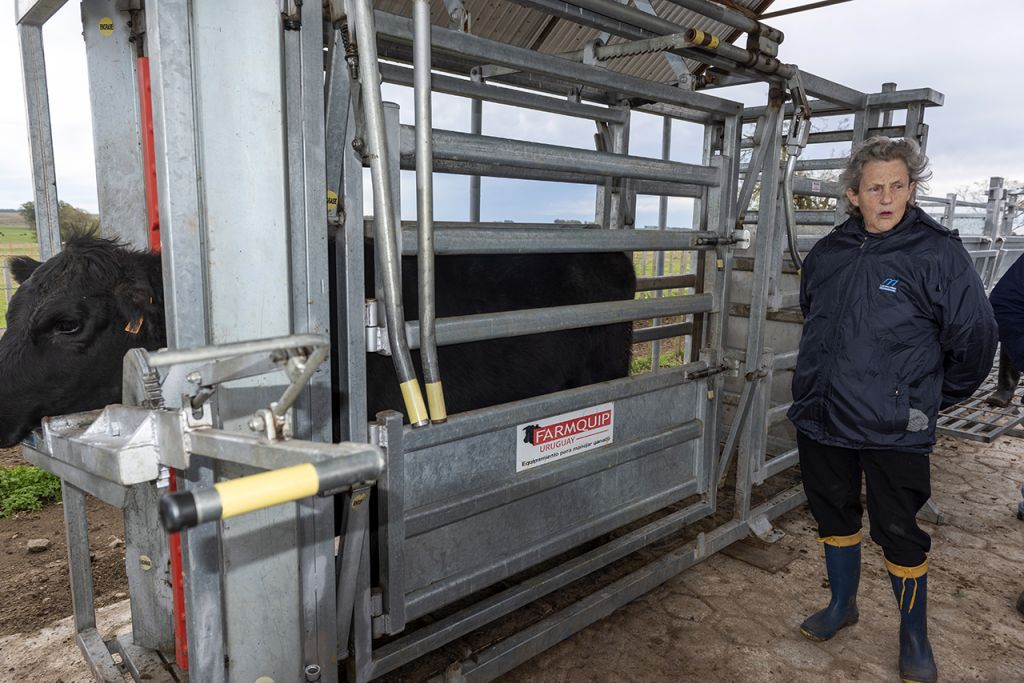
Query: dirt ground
(34, 589)
(723, 620)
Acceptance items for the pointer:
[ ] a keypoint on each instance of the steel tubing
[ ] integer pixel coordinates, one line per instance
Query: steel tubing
(483, 326)
(393, 73)
(501, 54)
(463, 147)
(730, 18)
(425, 211)
(386, 230)
(659, 26)
(520, 240)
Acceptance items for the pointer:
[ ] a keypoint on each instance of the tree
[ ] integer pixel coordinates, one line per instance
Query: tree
(71, 218)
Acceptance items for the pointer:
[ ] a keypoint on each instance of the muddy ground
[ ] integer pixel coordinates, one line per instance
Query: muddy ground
(732, 618)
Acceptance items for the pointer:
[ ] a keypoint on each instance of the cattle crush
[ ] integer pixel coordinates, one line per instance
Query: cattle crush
(320, 540)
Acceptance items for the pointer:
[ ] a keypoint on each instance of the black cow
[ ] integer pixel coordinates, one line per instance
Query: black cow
(76, 315)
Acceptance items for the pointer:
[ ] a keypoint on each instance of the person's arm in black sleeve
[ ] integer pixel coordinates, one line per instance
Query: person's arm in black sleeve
(1008, 304)
(968, 335)
(805, 277)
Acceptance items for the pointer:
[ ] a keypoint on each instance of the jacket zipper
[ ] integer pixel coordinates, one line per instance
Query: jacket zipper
(826, 404)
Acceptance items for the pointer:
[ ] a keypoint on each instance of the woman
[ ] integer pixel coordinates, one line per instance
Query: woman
(896, 327)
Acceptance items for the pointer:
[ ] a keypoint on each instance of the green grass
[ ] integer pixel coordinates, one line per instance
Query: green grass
(17, 234)
(25, 489)
(642, 364)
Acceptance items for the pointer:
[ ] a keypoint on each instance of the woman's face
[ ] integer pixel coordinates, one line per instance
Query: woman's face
(884, 192)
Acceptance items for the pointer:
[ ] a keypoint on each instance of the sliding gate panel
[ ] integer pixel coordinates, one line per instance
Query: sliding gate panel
(469, 519)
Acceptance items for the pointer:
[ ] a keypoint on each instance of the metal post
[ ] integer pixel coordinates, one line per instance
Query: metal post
(181, 220)
(476, 128)
(116, 127)
(307, 196)
(37, 105)
(994, 207)
(425, 211)
(666, 149)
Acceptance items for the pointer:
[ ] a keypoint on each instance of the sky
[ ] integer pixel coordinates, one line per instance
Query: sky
(967, 51)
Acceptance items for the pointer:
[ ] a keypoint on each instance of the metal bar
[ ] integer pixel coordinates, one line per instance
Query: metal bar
(475, 128)
(779, 463)
(355, 518)
(646, 284)
(97, 656)
(36, 12)
(350, 289)
(168, 26)
(493, 52)
(425, 212)
(659, 267)
(163, 359)
(496, 170)
(391, 528)
(76, 531)
(393, 73)
(662, 332)
(337, 108)
(483, 326)
(181, 218)
(802, 8)
(37, 106)
(658, 26)
(726, 16)
(457, 146)
(517, 240)
(116, 124)
(388, 257)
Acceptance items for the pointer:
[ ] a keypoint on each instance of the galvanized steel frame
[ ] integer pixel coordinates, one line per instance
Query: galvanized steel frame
(338, 613)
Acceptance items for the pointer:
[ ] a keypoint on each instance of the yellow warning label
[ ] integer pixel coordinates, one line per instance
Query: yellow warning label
(332, 200)
(106, 26)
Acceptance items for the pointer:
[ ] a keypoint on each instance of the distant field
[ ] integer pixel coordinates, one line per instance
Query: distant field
(15, 240)
(11, 219)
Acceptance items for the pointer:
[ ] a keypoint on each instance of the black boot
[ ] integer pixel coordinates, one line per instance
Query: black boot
(842, 562)
(1009, 376)
(910, 584)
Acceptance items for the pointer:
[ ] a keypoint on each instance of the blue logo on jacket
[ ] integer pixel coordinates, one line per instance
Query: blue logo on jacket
(889, 285)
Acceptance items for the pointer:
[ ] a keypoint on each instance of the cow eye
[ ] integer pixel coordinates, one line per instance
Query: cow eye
(66, 327)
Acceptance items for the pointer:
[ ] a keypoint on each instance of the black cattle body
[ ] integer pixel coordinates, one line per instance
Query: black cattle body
(75, 316)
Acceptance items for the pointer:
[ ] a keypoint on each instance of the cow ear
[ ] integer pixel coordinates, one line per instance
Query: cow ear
(22, 268)
(135, 302)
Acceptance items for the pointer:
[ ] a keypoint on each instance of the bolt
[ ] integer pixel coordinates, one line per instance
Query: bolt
(257, 424)
(194, 377)
(145, 562)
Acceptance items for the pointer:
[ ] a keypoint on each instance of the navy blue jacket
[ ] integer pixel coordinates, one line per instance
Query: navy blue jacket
(1008, 303)
(892, 321)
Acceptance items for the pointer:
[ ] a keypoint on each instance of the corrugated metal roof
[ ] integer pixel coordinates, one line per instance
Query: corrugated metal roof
(507, 22)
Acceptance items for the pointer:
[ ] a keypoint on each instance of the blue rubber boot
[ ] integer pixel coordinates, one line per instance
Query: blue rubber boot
(842, 561)
(910, 584)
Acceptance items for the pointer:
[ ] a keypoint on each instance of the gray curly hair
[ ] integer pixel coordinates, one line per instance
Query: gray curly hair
(881, 148)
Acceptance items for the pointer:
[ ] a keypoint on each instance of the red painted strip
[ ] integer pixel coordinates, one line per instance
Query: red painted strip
(178, 587)
(148, 153)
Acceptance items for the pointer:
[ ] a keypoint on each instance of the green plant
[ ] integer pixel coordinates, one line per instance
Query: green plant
(24, 489)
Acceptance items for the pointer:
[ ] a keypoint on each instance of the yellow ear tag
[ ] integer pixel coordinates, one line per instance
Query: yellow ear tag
(134, 327)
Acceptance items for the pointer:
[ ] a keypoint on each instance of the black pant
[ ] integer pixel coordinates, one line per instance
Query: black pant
(898, 486)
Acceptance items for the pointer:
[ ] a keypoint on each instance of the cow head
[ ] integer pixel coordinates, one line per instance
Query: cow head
(69, 326)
